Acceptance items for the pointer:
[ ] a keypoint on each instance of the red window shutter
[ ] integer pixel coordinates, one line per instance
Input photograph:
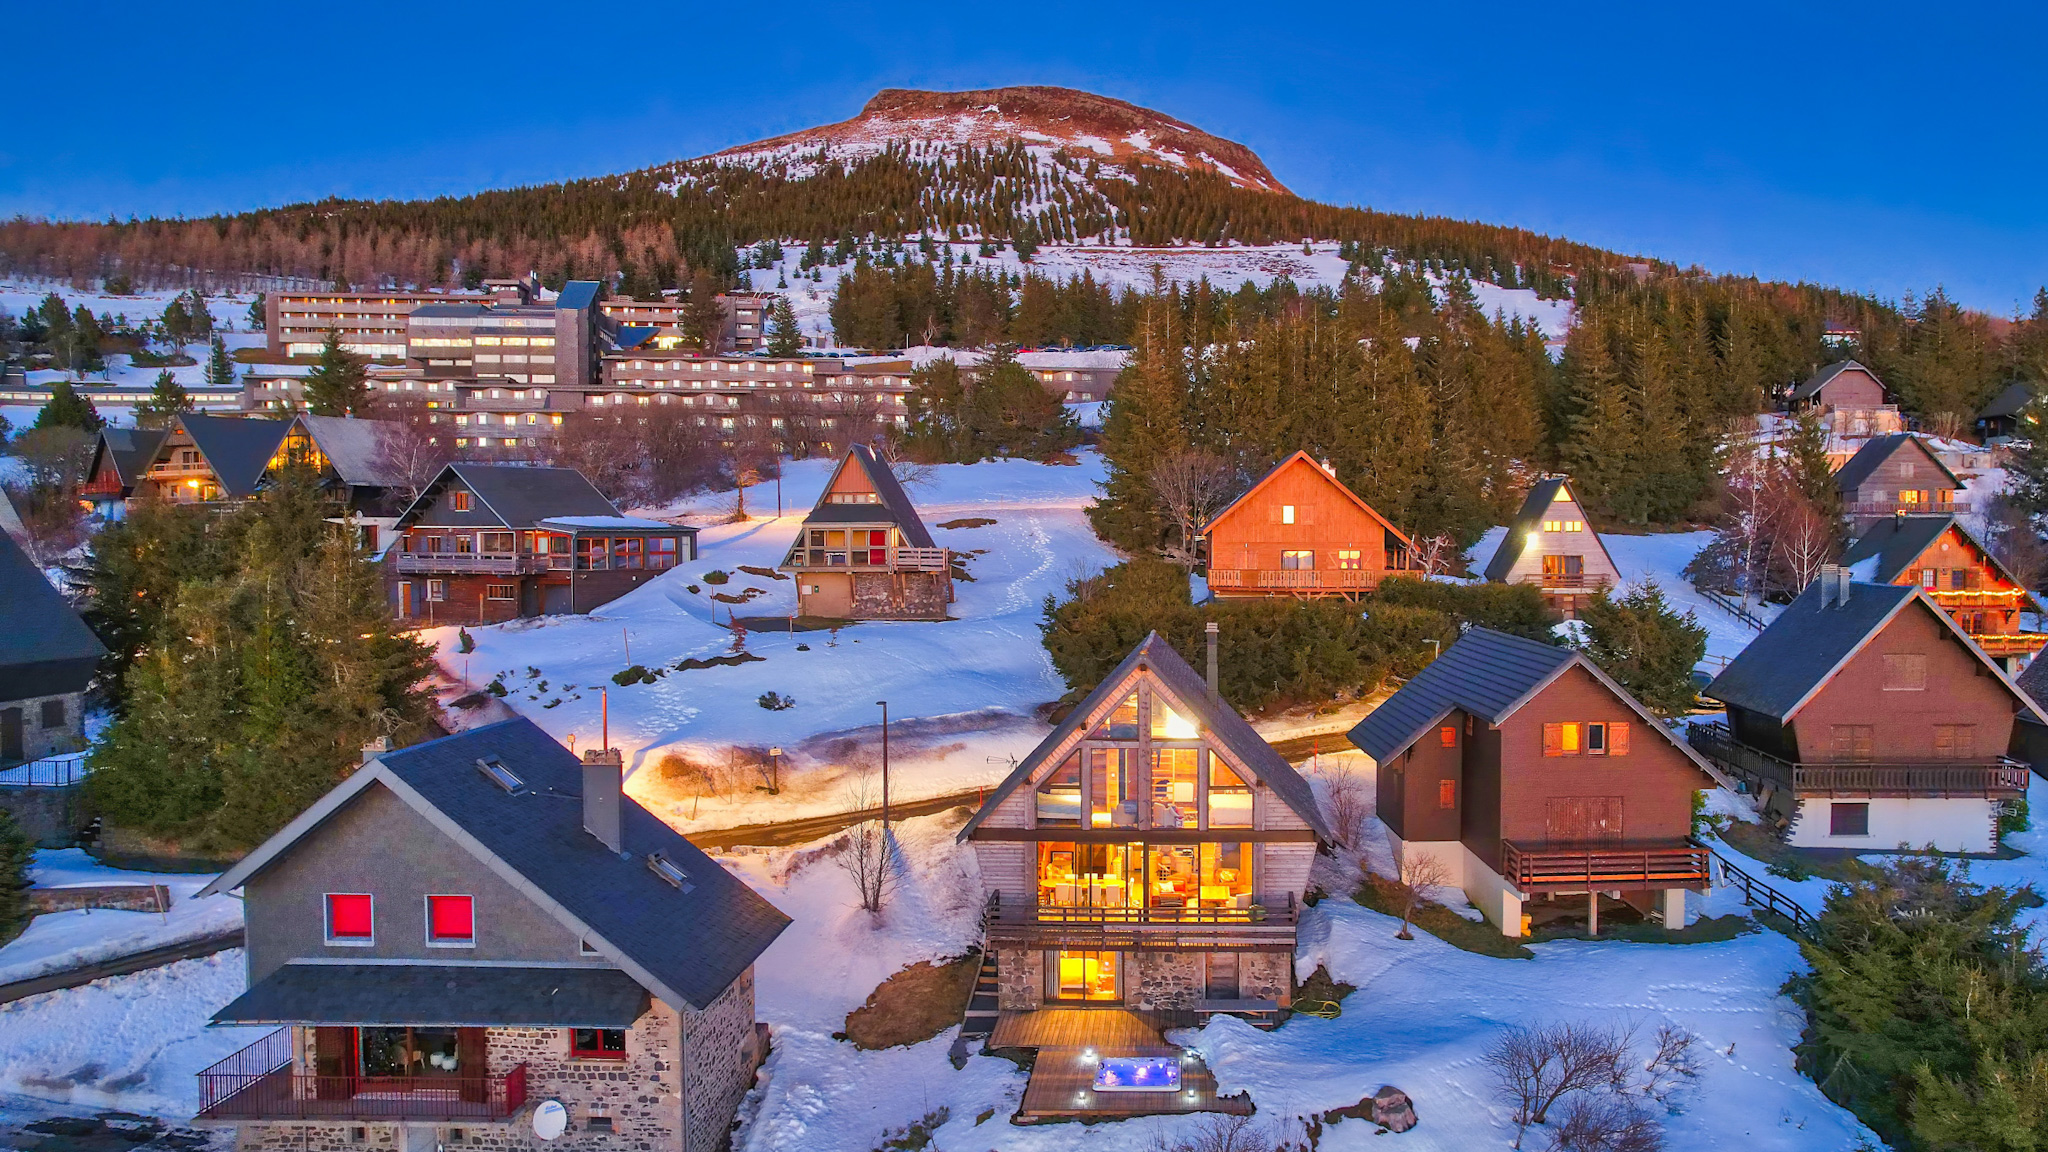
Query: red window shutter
(1447, 736)
(1617, 739)
(348, 916)
(450, 918)
(1553, 739)
(1447, 794)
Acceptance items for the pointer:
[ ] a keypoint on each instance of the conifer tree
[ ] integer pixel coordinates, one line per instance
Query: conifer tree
(338, 384)
(167, 398)
(1646, 647)
(220, 371)
(703, 319)
(17, 852)
(67, 409)
(785, 337)
(1142, 425)
(259, 312)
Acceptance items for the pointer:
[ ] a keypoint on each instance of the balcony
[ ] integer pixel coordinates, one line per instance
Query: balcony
(1975, 776)
(258, 1083)
(1592, 867)
(1587, 582)
(1941, 507)
(1269, 922)
(1302, 581)
(864, 559)
(474, 563)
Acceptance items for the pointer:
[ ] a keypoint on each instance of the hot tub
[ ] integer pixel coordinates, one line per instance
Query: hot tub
(1138, 1074)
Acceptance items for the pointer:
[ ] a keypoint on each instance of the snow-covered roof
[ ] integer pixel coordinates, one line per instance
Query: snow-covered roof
(356, 448)
(633, 522)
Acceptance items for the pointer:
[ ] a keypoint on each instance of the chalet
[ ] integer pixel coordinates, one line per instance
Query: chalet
(47, 660)
(1150, 854)
(1531, 777)
(1897, 473)
(1549, 544)
(203, 459)
(1299, 532)
(1947, 560)
(477, 924)
(361, 463)
(863, 554)
(120, 460)
(2001, 419)
(491, 542)
(1856, 402)
(1864, 717)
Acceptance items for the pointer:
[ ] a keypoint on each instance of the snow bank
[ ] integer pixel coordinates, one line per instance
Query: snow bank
(58, 940)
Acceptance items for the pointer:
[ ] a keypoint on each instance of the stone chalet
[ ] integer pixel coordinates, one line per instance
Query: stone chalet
(472, 930)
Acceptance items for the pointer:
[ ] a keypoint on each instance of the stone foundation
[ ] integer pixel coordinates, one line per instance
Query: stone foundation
(66, 735)
(1158, 981)
(1164, 980)
(1020, 979)
(900, 595)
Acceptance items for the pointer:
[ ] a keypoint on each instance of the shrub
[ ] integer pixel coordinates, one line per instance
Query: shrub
(633, 675)
(496, 687)
(16, 853)
(1520, 609)
(464, 642)
(775, 701)
(716, 577)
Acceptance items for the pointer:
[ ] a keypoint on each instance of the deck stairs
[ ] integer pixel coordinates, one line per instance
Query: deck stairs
(980, 1019)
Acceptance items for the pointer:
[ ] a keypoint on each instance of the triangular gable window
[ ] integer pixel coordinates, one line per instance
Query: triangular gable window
(1122, 723)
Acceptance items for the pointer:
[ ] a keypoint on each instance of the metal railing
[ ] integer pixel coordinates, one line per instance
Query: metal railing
(1663, 863)
(49, 772)
(1977, 776)
(1269, 920)
(485, 563)
(257, 1083)
(1297, 579)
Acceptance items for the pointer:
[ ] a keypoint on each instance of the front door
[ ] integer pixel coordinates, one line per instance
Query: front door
(1095, 977)
(1221, 981)
(404, 598)
(1584, 820)
(10, 734)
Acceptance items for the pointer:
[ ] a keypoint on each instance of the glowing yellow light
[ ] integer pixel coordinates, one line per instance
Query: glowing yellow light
(1179, 727)
(191, 483)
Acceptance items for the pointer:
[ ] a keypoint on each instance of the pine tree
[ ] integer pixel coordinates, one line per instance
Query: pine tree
(1646, 647)
(338, 384)
(166, 399)
(703, 319)
(67, 409)
(785, 337)
(17, 852)
(81, 349)
(220, 371)
(1142, 425)
(259, 312)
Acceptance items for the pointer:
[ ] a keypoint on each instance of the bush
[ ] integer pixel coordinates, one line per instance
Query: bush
(1520, 609)
(775, 701)
(496, 687)
(16, 853)
(633, 675)
(464, 642)
(716, 577)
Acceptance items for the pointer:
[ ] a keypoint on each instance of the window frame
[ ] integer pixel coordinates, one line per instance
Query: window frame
(492, 591)
(577, 1052)
(1839, 808)
(327, 920)
(427, 908)
(458, 501)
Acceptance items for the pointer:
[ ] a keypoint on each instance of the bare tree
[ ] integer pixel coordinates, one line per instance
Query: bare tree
(53, 463)
(2012, 539)
(1673, 1066)
(1536, 1067)
(1419, 870)
(1192, 486)
(1802, 539)
(1228, 1134)
(868, 857)
(1348, 802)
(1433, 553)
(1606, 1123)
(408, 459)
(1947, 425)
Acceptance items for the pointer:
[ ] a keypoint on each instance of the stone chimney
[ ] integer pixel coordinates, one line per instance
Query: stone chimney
(602, 772)
(376, 748)
(1211, 631)
(1834, 585)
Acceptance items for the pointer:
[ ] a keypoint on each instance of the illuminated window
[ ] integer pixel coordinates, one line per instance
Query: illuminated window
(451, 921)
(1446, 794)
(1350, 559)
(1447, 736)
(349, 918)
(1230, 798)
(459, 501)
(1287, 513)
(1059, 798)
(1168, 724)
(1297, 560)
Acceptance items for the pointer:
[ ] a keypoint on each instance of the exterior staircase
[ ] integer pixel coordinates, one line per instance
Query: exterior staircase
(980, 1019)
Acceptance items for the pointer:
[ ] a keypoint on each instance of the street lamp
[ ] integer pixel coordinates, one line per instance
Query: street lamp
(774, 771)
(885, 768)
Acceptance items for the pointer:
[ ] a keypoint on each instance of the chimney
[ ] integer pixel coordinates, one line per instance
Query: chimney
(1834, 584)
(1842, 596)
(601, 788)
(376, 748)
(1211, 631)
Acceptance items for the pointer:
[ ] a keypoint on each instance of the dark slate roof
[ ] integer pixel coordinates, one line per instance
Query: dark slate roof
(684, 945)
(578, 294)
(1541, 496)
(2010, 402)
(45, 649)
(521, 495)
(130, 450)
(2034, 682)
(237, 449)
(1821, 379)
(356, 448)
(901, 511)
(429, 311)
(1217, 718)
(1896, 542)
(1875, 452)
(440, 995)
(1805, 645)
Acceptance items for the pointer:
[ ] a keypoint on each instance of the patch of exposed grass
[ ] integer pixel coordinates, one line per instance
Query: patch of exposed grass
(1384, 896)
(915, 1004)
(968, 522)
(1320, 995)
(763, 573)
(1698, 932)
(692, 664)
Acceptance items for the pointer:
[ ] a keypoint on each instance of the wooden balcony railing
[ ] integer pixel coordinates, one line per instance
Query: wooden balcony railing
(1658, 864)
(1574, 582)
(481, 563)
(2010, 643)
(1890, 507)
(1975, 776)
(1269, 921)
(1296, 579)
(863, 559)
(257, 1083)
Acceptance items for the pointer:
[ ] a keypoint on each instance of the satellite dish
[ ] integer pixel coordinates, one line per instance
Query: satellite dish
(550, 1119)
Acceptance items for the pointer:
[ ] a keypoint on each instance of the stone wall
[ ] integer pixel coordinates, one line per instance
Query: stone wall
(1020, 979)
(900, 595)
(1163, 979)
(52, 817)
(37, 740)
(719, 1058)
(1266, 976)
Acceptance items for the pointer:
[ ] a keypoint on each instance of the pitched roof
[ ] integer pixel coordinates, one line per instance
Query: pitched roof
(45, 648)
(2033, 680)
(1875, 452)
(685, 945)
(520, 495)
(356, 448)
(883, 479)
(1218, 719)
(440, 995)
(130, 450)
(1822, 378)
(1897, 541)
(1807, 644)
(1491, 675)
(1328, 477)
(237, 449)
(2010, 402)
(1542, 495)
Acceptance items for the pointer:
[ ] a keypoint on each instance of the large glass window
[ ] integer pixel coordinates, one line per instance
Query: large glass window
(592, 553)
(1075, 975)
(1059, 798)
(1173, 788)
(1230, 798)
(1110, 804)
(412, 1052)
(1090, 875)
(1168, 724)
(1226, 876)
(1122, 724)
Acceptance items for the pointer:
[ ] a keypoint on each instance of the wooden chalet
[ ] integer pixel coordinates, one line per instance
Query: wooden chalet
(1150, 855)
(1300, 532)
(1550, 544)
(1854, 400)
(1897, 473)
(1865, 717)
(2001, 419)
(863, 553)
(492, 542)
(361, 463)
(1538, 784)
(194, 459)
(1943, 557)
(120, 460)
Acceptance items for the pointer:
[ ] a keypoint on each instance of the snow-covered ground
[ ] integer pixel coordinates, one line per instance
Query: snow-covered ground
(962, 693)
(57, 940)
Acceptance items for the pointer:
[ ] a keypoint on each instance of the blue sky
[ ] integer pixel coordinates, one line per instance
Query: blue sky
(1883, 148)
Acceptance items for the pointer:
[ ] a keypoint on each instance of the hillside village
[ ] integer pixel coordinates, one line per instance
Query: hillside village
(1019, 680)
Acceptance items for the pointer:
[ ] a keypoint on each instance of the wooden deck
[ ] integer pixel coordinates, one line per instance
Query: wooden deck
(1071, 1042)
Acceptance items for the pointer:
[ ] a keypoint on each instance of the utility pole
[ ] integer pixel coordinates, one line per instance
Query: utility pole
(885, 769)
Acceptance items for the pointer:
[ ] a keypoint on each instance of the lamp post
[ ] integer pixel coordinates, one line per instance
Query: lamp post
(774, 771)
(885, 768)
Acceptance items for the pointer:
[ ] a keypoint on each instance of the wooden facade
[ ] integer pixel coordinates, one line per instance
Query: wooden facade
(1551, 544)
(1300, 532)
(1897, 474)
(863, 553)
(1945, 559)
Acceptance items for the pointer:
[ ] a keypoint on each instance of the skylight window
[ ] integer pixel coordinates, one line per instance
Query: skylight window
(669, 870)
(502, 776)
